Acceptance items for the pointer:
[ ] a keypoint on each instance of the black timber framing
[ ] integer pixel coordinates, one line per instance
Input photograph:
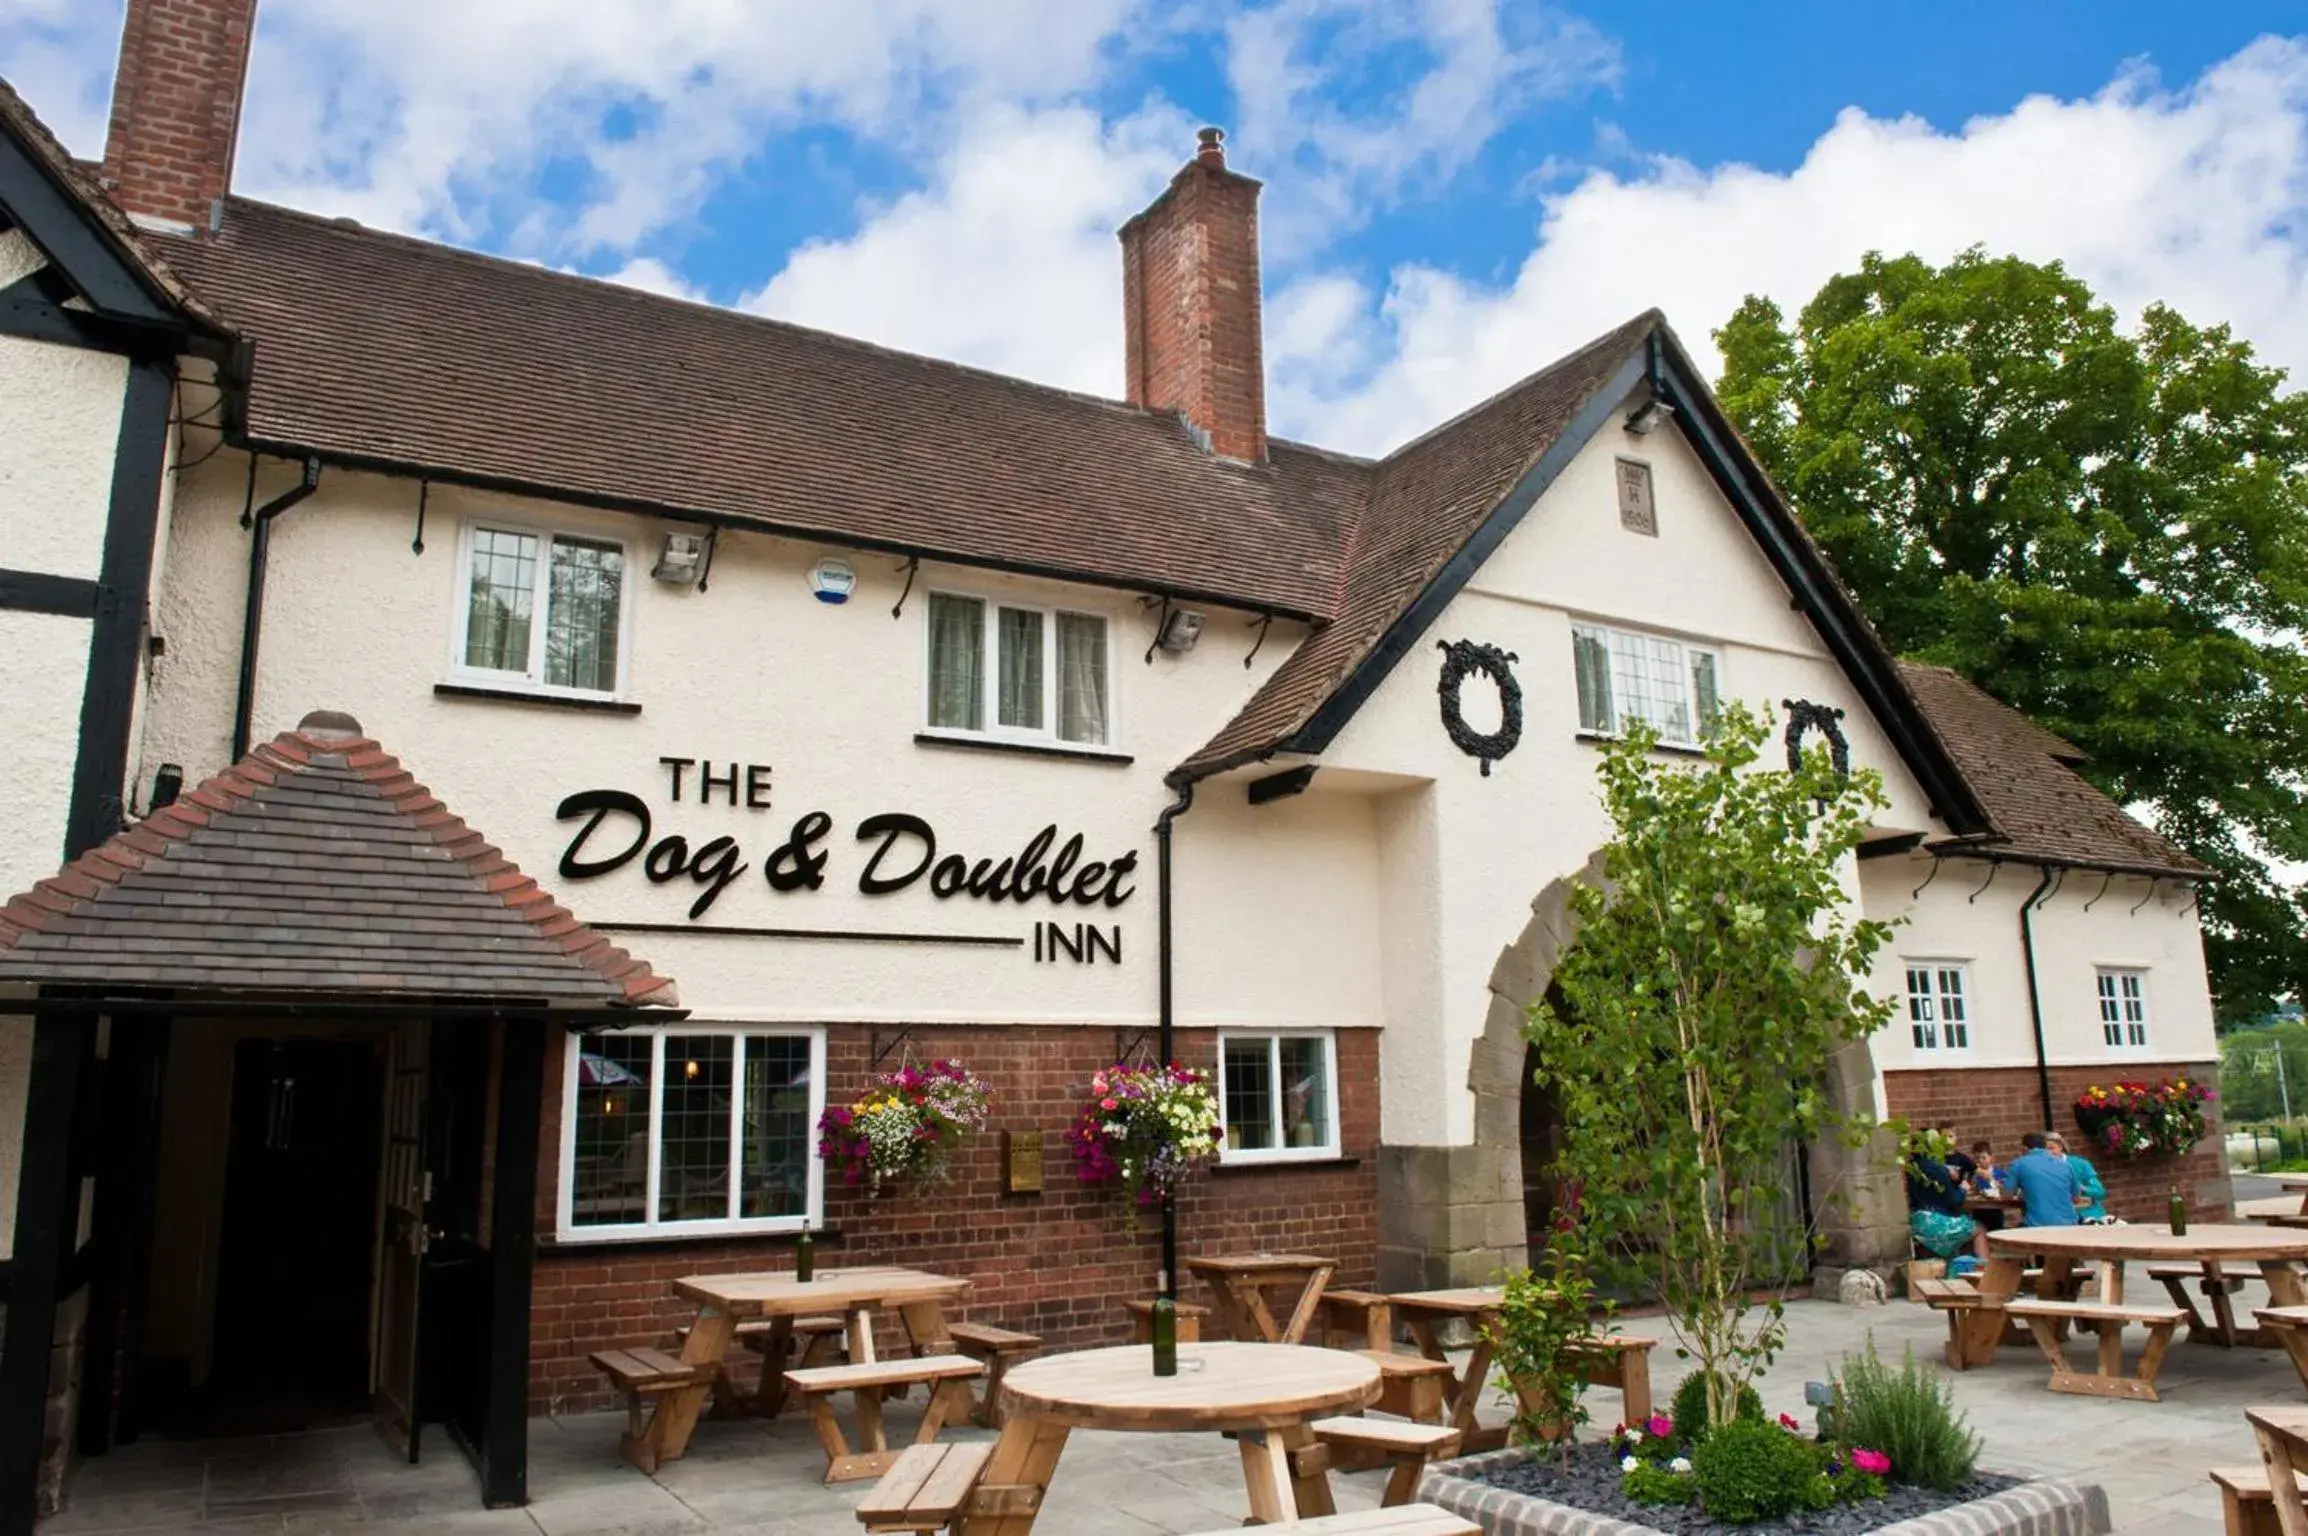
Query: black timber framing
(70, 597)
(115, 642)
(125, 1160)
(45, 1199)
(69, 234)
(504, 1449)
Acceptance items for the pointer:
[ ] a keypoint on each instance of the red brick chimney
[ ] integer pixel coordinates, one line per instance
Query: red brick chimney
(176, 107)
(1190, 304)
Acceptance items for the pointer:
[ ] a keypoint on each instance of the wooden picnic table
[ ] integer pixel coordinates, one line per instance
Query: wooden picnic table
(1618, 1360)
(1265, 1395)
(724, 1301)
(2283, 1436)
(1238, 1285)
(2210, 1246)
(2298, 1181)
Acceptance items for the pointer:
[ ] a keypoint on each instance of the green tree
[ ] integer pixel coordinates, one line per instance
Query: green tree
(2105, 528)
(1715, 972)
(2250, 1088)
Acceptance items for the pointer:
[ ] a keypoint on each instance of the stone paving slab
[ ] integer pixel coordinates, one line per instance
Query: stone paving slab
(751, 1478)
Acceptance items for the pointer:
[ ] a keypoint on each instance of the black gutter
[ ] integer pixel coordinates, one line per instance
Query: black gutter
(252, 618)
(748, 523)
(2035, 997)
(1166, 1034)
(2048, 861)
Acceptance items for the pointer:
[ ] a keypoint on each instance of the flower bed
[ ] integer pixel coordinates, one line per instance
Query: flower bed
(2133, 1119)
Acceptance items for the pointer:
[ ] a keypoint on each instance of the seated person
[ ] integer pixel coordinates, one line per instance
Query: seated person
(2094, 1211)
(1986, 1176)
(1935, 1215)
(2046, 1185)
(1958, 1161)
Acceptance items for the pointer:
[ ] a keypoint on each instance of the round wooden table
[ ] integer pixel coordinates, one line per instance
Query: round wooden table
(1265, 1394)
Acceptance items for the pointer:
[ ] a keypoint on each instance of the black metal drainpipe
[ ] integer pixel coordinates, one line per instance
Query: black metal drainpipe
(252, 620)
(1166, 1034)
(2035, 998)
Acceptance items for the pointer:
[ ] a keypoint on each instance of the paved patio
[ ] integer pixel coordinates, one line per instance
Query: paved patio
(748, 1478)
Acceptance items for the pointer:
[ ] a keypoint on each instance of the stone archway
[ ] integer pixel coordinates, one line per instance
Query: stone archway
(1859, 1202)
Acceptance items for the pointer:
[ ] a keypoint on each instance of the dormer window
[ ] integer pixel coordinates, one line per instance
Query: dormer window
(1016, 673)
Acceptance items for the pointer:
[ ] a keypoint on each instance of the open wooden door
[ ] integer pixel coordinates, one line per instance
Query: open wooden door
(402, 1241)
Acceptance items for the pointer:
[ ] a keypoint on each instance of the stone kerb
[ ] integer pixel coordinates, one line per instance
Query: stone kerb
(2052, 1507)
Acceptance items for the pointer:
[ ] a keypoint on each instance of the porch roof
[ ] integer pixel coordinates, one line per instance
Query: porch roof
(314, 868)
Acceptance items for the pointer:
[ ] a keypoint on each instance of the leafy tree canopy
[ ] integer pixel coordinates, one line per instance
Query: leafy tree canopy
(2108, 529)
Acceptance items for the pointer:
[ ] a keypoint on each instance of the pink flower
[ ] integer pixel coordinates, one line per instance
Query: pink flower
(1108, 1104)
(1871, 1461)
(1787, 1422)
(1658, 1426)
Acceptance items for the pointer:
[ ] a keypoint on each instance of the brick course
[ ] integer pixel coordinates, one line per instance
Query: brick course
(176, 106)
(1999, 1103)
(1059, 1264)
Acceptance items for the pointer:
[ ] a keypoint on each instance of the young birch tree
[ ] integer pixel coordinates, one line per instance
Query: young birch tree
(1715, 972)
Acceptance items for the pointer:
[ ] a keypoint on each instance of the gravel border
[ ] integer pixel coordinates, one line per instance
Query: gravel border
(2051, 1507)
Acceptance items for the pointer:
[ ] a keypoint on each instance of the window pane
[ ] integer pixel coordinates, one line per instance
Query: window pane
(1305, 1092)
(693, 1184)
(776, 1127)
(1591, 660)
(1021, 663)
(504, 586)
(1703, 694)
(609, 1181)
(581, 615)
(1081, 677)
(1249, 1089)
(1670, 695)
(1920, 1013)
(957, 655)
(1951, 1009)
(2111, 1018)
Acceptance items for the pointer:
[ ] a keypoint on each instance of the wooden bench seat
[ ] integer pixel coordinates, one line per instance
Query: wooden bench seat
(1410, 1386)
(2247, 1506)
(924, 1489)
(947, 1376)
(1402, 1520)
(997, 1349)
(639, 1375)
(2288, 1326)
(2217, 1286)
(803, 1341)
(1409, 1446)
(1356, 1320)
(1190, 1319)
(1621, 1360)
(2044, 1317)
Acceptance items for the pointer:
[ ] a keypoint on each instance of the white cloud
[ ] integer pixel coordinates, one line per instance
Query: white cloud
(2198, 197)
(650, 275)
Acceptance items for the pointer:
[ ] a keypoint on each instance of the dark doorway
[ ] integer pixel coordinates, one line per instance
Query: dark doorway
(1542, 1144)
(297, 1240)
(452, 1371)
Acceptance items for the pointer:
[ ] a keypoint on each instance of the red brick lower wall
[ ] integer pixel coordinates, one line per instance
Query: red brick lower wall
(1059, 1264)
(1999, 1103)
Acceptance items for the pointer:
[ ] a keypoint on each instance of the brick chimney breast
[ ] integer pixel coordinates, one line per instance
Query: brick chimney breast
(1190, 300)
(176, 107)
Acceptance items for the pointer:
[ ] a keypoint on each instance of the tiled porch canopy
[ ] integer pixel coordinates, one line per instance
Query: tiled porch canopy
(315, 868)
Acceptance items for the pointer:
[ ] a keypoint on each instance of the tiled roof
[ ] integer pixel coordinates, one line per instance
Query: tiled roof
(23, 124)
(2040, 808)
(375, 348)
(314, 867)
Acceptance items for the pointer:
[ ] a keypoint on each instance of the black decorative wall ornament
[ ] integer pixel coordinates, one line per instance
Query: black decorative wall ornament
(1803, 716)
(1460, 657)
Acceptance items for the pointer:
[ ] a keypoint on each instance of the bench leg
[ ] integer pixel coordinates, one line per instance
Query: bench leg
(1402, 1482)
(2198, 1330)
(708, 1344)
(635, 1444)
(2152, 1356)
(829, 1434)
(2295, 1343)
(989, 1409)
(2217, 1291)
(2276, 1455)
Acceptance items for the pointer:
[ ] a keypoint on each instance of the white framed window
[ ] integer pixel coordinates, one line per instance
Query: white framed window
(542, 610)
(2123, 1008)
(691, 1130)
(1939, 1004)
(1013, 671)
(1278, 1095)
(1626, 675)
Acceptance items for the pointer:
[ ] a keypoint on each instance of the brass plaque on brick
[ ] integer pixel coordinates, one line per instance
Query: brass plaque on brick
(1022, 1162)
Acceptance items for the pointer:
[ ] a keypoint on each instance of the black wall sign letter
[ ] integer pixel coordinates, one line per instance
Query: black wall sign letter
(889, 827)
(794, 865)
(599, 803)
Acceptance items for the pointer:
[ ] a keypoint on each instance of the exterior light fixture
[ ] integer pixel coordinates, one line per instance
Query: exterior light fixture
(1648, 415)
(681, 559)
(833, 580)
(1180, 630)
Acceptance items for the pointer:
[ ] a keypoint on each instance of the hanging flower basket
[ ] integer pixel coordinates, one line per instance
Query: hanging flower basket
(1146, 1127)
(907, 1127)
(2133, 1119)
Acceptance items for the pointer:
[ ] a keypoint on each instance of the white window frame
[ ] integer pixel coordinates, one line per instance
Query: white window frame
(566, 1229)
(1611, 635)
(990, 676)
(1935, 972)
(1327, 1149)
(531, 679)
(2108, 987)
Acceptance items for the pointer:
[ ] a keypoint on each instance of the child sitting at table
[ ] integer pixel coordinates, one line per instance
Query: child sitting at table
(1986, 1177)
(1935, 1217)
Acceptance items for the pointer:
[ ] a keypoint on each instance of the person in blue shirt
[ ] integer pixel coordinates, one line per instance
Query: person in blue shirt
(2046, 1184)
(2094, 1211)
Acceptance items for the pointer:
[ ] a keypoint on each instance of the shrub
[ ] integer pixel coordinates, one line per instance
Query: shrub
(1649, 1483)
(1690, 1407)
(1541, 1319)
(1908, 1414)
(1748, 1470)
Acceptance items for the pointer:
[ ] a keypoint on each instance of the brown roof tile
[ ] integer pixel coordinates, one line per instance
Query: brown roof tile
(303, 870)
(2040, 808)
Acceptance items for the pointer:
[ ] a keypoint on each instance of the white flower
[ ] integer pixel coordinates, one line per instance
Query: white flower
(1628, 1463)
(1679, 1464)
(1634, 1435)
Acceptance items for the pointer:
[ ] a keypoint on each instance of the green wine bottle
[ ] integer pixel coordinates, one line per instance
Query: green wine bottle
(805, 1257)
(1164, 1328)
(2179, 1213)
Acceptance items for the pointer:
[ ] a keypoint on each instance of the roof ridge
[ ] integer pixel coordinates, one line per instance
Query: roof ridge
(1652, 316)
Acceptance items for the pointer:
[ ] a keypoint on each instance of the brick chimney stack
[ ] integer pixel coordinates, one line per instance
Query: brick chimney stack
(1190, 304)
(176, 107)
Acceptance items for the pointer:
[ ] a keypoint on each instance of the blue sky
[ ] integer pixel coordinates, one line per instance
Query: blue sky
(1457, 189)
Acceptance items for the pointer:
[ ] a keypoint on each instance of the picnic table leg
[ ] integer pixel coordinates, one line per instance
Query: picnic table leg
(1309, 1491)
(1266, 1473)
(1467, 1397)
(1983, 1325)
(1025, 1458)
(861, 1337)
(2217, 1289)
(2283, 1482)
(1309, 1303)
(2198, 1329)
(707, 1345)
(1254, 1309)
(769, 1397)
(926, 1328)
(2284, 1288)
(1634, 1385)
(1228, 1309)
(2112, 1282)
